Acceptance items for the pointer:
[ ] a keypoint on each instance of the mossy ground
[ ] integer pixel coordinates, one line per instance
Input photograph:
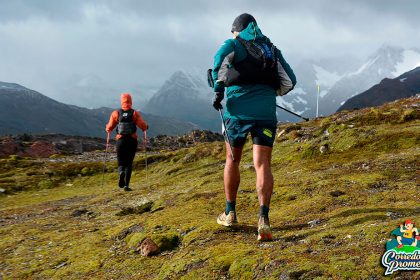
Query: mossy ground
(355, 194)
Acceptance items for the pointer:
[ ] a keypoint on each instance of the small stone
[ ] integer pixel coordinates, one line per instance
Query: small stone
(365, 166)
(249, 166)
(337, 193)
(323, 149)
(61, 265)
(281, 133)
(148, 248)
(79, 212)
(314, 223)
(189, 158)
(2, 190)
(132, 229)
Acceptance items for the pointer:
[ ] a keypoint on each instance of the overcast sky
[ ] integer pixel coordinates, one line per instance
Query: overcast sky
(43, 43)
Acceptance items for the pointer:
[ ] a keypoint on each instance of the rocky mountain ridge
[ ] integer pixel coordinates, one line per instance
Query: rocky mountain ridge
(23, 110)
(186, 97)
(58, 146)
(406, 85)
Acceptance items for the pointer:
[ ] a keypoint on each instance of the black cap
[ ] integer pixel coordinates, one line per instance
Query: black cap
(241, 22)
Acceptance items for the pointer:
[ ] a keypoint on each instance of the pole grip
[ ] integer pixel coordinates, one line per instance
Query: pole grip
(145, 139)
(107, 141)
(210, 78)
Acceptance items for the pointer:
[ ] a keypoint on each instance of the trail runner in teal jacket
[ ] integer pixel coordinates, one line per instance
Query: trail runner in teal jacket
(251, 85)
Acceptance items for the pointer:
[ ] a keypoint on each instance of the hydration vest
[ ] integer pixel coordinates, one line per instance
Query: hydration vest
(258, 67)
(126, 125)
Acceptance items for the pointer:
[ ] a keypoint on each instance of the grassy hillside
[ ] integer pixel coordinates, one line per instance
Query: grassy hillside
(332, 212)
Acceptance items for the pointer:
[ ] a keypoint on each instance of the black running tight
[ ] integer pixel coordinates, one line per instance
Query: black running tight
(126, 150)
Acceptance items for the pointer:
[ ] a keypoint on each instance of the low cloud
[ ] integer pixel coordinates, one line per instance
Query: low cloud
(42, 43)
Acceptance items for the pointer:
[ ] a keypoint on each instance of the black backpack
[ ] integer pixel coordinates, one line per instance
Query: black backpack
(259, 66)
(126, 125)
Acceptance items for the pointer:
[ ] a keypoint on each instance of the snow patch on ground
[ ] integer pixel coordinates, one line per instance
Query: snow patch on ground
(402, 80)
(411, 60)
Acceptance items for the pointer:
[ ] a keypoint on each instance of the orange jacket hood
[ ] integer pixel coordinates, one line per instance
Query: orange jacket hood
(126, 101)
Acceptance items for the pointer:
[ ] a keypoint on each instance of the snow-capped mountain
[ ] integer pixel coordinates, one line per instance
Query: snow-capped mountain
(186, 97)
(310, 73)
(345, 78)
(387, 62)
(406, 85)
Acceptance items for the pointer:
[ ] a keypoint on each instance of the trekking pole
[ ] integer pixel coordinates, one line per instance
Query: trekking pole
(106, 152)
(145, 148)
(306, 119)
(226, 135)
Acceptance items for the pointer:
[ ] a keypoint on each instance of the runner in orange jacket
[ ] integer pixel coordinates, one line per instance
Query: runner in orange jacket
(126, 120)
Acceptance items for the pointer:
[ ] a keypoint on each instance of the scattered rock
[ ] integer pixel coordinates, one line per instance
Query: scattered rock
(328, 239)
(337, 193)
(9, 147)
(61, 265)
(246, 191)
(314, 223)
(188, 231)
(140, 209)
(281, 133)
(297, 274)
(365, 166)
(148, 248)
(176, 142)
(41, 149)
(79, 212)
(249, 166)
(189, 158)
(378, 186)
(324, 148)
(2, 190)
(284, 276)
(394, 215)
(132, 229)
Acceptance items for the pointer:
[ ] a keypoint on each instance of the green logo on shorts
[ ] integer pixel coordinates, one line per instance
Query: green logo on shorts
(268, 132)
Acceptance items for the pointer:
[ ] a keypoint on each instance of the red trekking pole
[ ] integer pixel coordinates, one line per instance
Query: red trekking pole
(106, 152)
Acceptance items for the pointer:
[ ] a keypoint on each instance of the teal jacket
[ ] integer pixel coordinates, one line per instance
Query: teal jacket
(250, 101)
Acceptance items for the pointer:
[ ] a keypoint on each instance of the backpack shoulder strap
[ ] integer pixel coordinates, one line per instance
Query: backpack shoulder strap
(131, 113)
(120, 113)
(251, 48)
